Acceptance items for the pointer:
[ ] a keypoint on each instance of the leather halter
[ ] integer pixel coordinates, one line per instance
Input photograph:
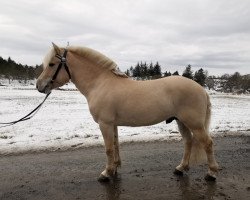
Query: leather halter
(61, 64)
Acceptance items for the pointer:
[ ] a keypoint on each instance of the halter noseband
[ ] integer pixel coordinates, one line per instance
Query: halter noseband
(61, 64)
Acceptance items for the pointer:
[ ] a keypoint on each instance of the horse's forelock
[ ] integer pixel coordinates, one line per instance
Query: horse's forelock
(48, 57)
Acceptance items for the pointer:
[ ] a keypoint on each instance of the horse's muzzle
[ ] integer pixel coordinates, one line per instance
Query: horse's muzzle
(43, 86)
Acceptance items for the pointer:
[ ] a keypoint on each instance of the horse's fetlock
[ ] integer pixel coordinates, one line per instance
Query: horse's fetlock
(214, 167)
(186, 168)
(117, 163)
(110, 171)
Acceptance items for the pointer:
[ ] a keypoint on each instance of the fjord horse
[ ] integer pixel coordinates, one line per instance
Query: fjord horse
(116, 100)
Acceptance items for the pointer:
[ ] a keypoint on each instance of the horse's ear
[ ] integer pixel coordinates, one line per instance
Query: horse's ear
(56, 48)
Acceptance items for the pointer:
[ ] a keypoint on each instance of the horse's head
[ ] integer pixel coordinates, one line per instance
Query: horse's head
(55, 71)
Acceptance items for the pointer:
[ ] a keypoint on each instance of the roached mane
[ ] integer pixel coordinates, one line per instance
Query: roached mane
(97, 57)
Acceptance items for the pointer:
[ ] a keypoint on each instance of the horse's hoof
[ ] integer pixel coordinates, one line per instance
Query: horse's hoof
(210, 178)
(103, 179)
(178, 172)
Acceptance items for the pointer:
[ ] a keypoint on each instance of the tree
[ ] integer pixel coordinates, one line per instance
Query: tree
(137, 71)
(144, 70)
(210, 82)
(200, 77)
(127, 72)
(167, 74)
(151, 70)
(233, 82)
(157, 70)
(11, 70)
(188, 73)
(176, 73)
(245, 83)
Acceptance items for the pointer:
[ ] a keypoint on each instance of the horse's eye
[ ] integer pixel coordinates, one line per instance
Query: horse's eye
(51, 64)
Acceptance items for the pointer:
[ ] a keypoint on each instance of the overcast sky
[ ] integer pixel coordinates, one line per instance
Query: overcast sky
(213, 34)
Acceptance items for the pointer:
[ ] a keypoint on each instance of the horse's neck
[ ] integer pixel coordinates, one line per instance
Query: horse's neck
(86, 75)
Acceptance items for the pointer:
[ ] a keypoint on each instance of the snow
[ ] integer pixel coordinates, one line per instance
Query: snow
(65, 122)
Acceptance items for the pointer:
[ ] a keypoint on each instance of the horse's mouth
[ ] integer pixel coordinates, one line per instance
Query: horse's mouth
(45, 90)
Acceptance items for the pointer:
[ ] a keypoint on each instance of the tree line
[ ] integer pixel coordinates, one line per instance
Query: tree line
(15, 71)
(142, 71)
(226, 83)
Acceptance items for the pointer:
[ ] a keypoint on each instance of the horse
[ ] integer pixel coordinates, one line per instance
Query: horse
(115, 100)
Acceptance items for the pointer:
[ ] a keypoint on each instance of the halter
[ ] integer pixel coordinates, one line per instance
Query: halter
(61, 64)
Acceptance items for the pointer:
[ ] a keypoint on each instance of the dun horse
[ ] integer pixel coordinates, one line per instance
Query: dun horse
(116, 100)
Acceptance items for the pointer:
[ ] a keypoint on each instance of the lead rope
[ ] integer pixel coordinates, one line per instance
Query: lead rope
(26, 117)
(33, 112)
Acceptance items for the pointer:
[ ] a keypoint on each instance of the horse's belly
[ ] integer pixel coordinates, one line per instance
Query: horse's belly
(146, 117)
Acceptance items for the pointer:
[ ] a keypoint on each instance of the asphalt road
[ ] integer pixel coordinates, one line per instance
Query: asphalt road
(146, 173)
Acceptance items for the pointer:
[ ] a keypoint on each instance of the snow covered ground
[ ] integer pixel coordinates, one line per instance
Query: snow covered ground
(64, 121)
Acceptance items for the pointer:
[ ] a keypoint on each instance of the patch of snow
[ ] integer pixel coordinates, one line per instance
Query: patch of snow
(64, 121)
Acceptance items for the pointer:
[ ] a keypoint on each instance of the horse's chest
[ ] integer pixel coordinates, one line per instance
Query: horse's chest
(94, 112)
(102, 112)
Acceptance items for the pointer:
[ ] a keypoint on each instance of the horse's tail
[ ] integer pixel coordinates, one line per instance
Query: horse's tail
(198, 154)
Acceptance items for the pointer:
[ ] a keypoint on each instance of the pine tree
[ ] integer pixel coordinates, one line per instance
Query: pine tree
(151, 70)
(167, 74)
(144, 70)
(127, 72)
(200, 77)
(176, 73)
(188, 72)
(157, 70)
(11, 70)
(137, 71)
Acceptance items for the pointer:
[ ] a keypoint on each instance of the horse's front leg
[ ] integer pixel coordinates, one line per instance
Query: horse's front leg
(108, 132)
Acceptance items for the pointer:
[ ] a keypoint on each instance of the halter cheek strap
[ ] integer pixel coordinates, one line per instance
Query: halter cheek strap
(61, 64)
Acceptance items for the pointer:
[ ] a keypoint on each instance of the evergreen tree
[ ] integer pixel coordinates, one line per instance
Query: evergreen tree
(176, 73)
(157, 70)
(127, 72)
(188, 72)
(200, 77)
(144, 70)
(151, 70)
(137, 71)
(167, 74)
(11, 70)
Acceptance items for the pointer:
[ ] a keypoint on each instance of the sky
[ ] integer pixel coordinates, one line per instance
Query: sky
(212, 34)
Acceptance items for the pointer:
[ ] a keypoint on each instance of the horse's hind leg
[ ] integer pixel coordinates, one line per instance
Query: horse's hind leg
(187, 137)
(117, 159)
(207, 143)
